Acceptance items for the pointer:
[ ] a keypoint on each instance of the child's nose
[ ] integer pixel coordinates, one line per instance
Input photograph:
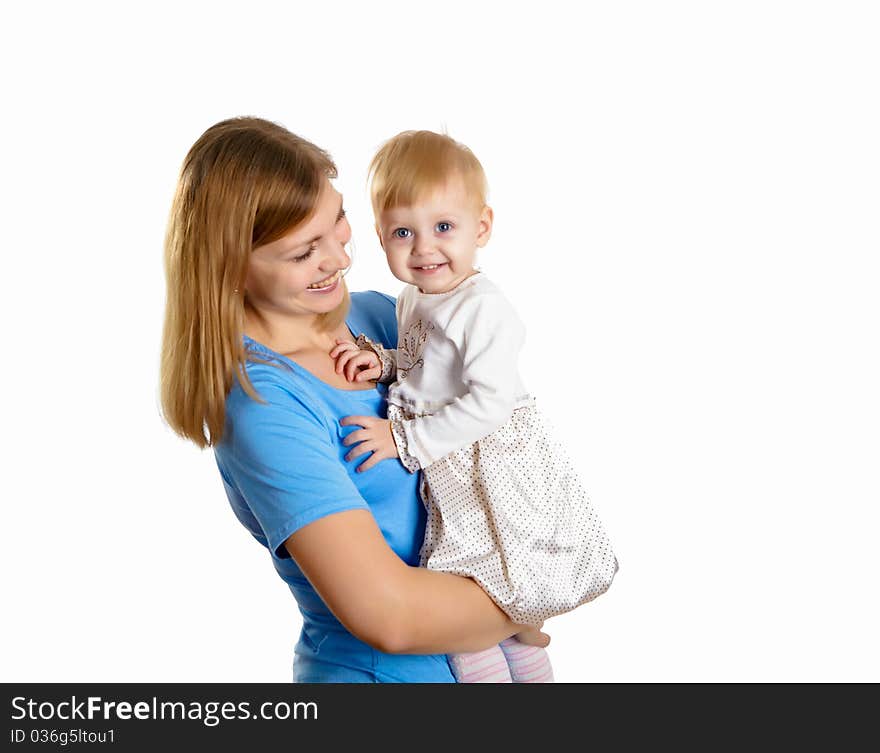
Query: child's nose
(421, 246)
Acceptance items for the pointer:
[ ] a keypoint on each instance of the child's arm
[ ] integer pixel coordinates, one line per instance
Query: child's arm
(490, 337)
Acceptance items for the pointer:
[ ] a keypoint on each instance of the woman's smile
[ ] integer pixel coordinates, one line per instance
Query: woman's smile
(326, 285)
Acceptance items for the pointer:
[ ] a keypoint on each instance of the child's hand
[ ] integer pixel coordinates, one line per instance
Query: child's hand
(375, 437)
(357, 365)
(531, 635)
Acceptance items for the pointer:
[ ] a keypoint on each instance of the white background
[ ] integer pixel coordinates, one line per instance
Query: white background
(686, 198)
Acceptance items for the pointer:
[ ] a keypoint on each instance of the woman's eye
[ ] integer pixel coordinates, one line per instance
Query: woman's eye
(401, 232)
(443, 227)
(341, 215)
(303, 257)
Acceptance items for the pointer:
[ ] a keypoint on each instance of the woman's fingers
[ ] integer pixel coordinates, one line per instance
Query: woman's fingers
(532, 636)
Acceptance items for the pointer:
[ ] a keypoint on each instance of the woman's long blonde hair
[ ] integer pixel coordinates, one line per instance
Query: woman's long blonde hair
(245, 182)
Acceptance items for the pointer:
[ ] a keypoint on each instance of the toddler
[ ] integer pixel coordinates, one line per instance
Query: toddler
(504, 504)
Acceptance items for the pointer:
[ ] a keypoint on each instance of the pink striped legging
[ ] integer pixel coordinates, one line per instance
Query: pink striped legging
(509, 661)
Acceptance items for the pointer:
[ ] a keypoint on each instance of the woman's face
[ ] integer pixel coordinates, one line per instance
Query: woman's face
(301, 272)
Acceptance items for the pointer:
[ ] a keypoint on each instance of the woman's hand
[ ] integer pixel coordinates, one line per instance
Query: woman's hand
(357, 365)
(531, 635)
(375, 437)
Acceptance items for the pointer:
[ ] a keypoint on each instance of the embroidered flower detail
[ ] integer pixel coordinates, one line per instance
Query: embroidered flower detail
(411, 347)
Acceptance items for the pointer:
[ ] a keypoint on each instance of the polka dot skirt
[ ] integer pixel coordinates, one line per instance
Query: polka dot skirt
(510, 512)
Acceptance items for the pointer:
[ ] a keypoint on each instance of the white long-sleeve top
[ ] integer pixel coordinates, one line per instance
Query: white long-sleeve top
(456, 368)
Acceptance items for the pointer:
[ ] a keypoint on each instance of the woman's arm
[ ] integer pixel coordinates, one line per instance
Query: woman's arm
(389, 605)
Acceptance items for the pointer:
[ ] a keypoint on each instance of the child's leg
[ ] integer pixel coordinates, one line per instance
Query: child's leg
(526, 663)
(489, 665)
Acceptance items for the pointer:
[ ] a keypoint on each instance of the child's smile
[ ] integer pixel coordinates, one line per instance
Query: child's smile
(430, 269)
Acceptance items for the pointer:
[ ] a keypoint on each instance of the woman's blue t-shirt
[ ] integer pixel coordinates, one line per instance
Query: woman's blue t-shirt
(283, 465)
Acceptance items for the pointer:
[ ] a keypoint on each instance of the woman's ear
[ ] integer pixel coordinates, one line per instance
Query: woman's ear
(484, 231)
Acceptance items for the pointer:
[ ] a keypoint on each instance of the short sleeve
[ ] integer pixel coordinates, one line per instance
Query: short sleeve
(373, 314)
(280, 457)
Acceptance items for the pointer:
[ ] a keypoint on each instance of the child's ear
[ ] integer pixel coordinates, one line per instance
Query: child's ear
(484, 231)
(379, 236)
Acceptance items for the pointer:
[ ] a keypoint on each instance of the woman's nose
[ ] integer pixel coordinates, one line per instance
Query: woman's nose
(343, 231)
(336, 257)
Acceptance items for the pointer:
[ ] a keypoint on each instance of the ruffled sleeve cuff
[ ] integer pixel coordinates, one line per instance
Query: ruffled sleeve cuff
(395, 416)
(389, 366)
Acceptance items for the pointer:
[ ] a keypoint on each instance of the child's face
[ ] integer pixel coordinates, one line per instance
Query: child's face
(433, 244)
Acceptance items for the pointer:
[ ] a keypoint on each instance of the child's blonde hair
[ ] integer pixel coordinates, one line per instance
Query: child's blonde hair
(410, 166)
(246, 182)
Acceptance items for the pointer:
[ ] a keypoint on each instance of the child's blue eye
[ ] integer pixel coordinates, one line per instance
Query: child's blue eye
(444, 227)
(401, 232)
